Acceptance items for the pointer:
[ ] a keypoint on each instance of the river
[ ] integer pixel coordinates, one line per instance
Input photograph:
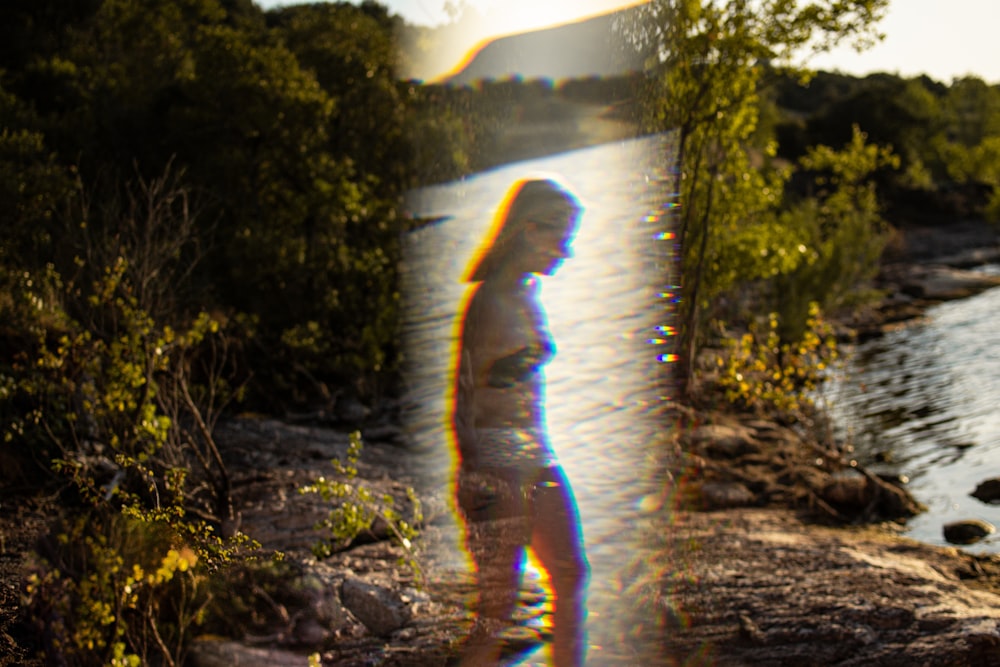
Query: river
(922, 401)
(606, 307)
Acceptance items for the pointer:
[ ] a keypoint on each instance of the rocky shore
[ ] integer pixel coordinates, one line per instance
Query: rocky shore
(770, 546)
(784, 551)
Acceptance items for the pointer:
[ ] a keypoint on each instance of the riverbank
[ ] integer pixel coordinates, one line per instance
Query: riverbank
(781, 551)
(767, 546)
(756, 586)
(925, 266)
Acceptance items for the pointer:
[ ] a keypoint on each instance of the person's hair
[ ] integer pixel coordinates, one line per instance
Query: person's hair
(526, 200)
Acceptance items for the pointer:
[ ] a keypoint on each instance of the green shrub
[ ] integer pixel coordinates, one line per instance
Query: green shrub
(113, 590)
(357, 508)
(762, 374)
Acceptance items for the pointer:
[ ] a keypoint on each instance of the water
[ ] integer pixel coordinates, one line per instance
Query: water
(605, 385)
(922, 402)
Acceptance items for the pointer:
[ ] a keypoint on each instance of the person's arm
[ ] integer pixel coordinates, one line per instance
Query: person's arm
(518, 367)
(464, 409)
(463, 414)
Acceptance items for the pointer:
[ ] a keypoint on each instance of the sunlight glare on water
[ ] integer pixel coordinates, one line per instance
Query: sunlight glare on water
(606, 312)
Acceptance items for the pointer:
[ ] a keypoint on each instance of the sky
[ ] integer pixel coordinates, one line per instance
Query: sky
(941, 38)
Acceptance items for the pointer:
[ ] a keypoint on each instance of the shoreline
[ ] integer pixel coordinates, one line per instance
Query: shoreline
(781, 556)
(752, 558)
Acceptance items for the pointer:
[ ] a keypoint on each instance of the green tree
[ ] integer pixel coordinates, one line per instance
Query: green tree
(709, 56)
(902, 113)
(33, 186)
(352, 53)
(841, 230)
(973, 109)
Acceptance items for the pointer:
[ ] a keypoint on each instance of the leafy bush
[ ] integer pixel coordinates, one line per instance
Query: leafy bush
(112, 590)
(760, 373)
(357, 508)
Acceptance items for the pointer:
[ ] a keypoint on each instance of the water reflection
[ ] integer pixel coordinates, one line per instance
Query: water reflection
(921, 402)
(604, 386)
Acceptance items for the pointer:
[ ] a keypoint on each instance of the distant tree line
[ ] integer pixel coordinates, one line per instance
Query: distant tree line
(947, 137)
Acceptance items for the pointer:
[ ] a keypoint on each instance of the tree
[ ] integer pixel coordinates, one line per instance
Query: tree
(841, 231)
(352, 54)
(709, 61)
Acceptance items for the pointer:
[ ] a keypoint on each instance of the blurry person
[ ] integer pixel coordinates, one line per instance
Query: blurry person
(511, 491)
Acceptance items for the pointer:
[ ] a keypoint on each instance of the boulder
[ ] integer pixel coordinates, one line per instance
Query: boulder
(866, 496)
(850, 491)
(967, 531)
(381, 609)
(941, 283)
(988, 491)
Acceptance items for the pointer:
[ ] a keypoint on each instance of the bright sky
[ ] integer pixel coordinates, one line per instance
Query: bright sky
(941, 38)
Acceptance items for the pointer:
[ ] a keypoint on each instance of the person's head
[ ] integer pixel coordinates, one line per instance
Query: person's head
(532, 232)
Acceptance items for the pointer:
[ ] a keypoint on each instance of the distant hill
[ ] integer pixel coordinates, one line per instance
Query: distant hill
(589, 48)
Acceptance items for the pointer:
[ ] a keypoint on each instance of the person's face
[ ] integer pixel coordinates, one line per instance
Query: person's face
(549, 242)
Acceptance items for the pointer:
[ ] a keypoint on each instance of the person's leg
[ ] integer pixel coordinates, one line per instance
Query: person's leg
(496, 532)
(557, 541)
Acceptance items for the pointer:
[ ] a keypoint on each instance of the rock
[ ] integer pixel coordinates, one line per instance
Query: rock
(722, 495)
(381, 609)
(721, 441)
(850, 491)
(866, 496)
(225, 653)
(323, 614)
(386, 433)
(967, 531)
(988, 491)
(351, 411)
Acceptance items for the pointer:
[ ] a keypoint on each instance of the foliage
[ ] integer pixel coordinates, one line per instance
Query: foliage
(182, 182)
(841, 232)
(289, 126)
(710, 58)
(114, 590)
(763, 374)
(942, 134)
(357, 508)
(120, 400)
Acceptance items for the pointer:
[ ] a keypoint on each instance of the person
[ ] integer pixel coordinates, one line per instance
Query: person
(511, 491)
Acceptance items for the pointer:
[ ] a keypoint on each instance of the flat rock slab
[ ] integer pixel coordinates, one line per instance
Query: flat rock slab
(227, 653)
(759, 587)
